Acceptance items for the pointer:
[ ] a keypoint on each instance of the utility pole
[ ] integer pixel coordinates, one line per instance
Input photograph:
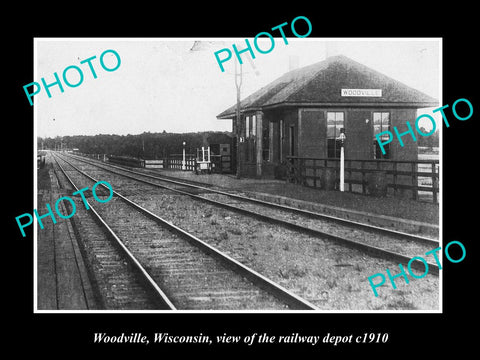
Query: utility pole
(237, 126)
(342, 138)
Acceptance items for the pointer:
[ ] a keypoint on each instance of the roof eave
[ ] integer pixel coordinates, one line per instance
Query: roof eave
(232, 114)
(415, 105)
(421, 104)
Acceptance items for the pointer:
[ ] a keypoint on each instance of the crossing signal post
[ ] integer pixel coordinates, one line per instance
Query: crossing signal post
(342, 138)
(184, 165)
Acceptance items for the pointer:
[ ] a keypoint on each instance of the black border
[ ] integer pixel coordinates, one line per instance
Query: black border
(410, 334)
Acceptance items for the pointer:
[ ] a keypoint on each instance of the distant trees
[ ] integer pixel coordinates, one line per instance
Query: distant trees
(146, 145)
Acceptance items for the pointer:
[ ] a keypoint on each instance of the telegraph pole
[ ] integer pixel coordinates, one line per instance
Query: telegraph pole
(342, 138)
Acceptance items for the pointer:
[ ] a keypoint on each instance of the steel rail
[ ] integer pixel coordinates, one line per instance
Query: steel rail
(160, 297)
(370, 249)
(291, 299)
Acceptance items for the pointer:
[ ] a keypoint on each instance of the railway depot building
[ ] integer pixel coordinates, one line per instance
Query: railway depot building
(290, 128)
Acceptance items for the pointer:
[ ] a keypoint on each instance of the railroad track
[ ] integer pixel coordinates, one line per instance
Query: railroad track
(381, 242)
(178, 270)
(118, 278)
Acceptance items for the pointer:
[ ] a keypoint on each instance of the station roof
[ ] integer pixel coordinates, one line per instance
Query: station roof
(321, 84)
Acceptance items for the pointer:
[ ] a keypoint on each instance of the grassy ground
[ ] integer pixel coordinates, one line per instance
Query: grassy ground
(397, 207)
(331, 276)
(390, 206)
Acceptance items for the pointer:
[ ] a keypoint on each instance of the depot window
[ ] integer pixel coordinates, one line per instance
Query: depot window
(381, 123)
(335, 121)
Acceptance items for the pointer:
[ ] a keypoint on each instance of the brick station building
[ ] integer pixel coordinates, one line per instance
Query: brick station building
(301, 113)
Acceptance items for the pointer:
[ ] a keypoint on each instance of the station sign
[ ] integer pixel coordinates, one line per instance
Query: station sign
(362, 92)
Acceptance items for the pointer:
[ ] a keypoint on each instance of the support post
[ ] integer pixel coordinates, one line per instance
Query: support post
(259, 142)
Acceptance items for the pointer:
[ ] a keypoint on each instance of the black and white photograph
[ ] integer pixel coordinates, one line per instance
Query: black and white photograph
(286, 181)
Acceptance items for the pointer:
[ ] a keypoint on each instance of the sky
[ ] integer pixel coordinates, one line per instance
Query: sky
(170, 84)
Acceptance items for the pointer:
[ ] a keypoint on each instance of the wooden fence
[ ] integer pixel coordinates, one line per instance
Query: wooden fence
(416, 179)
(222, 163)
(175, 162)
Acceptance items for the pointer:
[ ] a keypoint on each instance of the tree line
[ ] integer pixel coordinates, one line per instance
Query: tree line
(145, 146)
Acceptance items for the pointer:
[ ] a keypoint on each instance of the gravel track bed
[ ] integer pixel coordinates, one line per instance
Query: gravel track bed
(330, 276)
(190, 278)
(406, 247)
(114, 280)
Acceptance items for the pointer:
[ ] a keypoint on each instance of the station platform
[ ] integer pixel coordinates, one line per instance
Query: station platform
(62, 277)
(392, 212)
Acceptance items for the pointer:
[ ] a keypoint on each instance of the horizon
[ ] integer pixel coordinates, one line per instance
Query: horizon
(145, 132)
